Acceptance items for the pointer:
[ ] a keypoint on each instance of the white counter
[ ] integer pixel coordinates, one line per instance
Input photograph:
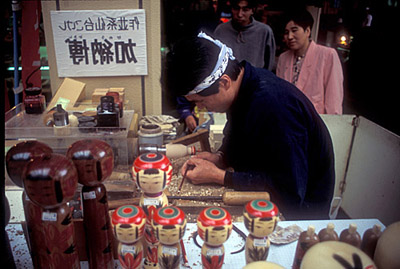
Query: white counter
(282, 254)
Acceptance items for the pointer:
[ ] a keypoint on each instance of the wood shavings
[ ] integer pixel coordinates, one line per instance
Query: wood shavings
(285, 235)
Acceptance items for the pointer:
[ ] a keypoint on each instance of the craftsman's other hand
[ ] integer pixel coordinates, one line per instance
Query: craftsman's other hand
(212, 157)
(191, 123)
(215, 158)
(204, 171)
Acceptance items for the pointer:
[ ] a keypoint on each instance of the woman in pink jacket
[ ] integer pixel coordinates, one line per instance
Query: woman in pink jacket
(316, 70)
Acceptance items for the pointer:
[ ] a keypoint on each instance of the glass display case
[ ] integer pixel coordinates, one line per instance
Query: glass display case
(21, 126)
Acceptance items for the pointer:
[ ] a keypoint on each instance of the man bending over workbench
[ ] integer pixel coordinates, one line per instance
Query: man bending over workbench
(274, 138)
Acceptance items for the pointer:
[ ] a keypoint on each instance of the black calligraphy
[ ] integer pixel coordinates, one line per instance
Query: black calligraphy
(101, 51)
(101, 24)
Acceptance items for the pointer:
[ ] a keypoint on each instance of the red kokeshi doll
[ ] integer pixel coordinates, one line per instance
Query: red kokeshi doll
(214, 226)
(20, 154)
(152, 173)
(17, 157)
(260, 218)
(50, 181)
(94, 161)
(169, 224)
(128, 224)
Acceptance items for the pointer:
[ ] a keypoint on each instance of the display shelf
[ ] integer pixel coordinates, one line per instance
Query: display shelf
(20, 126)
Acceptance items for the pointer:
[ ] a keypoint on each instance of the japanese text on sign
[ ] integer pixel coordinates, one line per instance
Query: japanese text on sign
(100, 42)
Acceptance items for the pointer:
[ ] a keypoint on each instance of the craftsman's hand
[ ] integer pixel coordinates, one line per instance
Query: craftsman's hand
(191, 123)
(215, 158)
(204, 171)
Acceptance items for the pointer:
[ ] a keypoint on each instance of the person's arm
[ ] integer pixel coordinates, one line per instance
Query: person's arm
(185, 110)
(184, 107)
(270, 48)
(333, 83)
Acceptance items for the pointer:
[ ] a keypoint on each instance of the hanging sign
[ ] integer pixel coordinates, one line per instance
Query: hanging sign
(91, 43)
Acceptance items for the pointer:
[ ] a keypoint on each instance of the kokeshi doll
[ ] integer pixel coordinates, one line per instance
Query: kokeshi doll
(214, 225)
(370, 239)
(59, 235)
(169, 224)
(37, 246)
(94, 161)
(336, 254)
(50, 181)
(17, 157)
(128, 224)
(20, 154)
(388, 247)
(260, 219)
(306, 240)
(152, 173)
(351, 236)
(328, 233)
(98, 231)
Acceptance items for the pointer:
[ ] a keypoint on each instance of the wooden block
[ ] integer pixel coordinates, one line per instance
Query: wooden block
(70, 92)
(105, 90)
(98, 93)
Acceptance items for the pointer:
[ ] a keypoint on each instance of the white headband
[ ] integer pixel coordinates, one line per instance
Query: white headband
(224, 55)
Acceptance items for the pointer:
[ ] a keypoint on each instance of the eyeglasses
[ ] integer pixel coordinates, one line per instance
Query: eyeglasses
(238, 8)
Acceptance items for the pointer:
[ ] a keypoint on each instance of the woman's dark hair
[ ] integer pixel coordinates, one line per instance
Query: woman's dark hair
(300, 17)
(190, 61)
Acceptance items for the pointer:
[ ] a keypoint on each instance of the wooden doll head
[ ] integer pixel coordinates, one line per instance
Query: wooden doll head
(50, 180)
(20, 154)
(214, 225)
(335, 254)
(260, 217)
(128, 223)
(169, 224)
(152, 172)
(94, 160)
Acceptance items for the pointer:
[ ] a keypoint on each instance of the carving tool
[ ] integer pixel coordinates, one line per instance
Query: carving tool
(184, 255)
(188, 167)
(228, 198)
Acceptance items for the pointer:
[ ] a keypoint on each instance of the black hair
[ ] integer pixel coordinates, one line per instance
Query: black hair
(250, 3)
(190, 61)
(151, 171)
(300, 17)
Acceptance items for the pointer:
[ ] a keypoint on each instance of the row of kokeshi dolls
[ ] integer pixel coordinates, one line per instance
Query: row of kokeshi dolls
(50, 181)
(349, 241)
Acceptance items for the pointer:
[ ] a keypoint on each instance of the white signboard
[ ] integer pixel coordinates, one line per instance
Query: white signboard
(90, 43)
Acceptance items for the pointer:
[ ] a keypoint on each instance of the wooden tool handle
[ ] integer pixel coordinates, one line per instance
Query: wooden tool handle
(243, 197)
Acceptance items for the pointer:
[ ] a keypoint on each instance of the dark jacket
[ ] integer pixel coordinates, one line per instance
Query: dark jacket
(276, 141)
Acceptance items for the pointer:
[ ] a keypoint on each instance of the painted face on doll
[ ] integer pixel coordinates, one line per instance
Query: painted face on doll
(151, 180)
(51, 180)
(126, 233)
(217, 235)
(214, 225)
(260, 217)
(169, 235)
(169, 224)
(42, 190)
(128, 223)
(260, 227)
(152, 172)
(94, 160)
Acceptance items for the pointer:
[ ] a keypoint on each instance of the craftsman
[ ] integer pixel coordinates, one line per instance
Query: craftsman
(273, 139)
